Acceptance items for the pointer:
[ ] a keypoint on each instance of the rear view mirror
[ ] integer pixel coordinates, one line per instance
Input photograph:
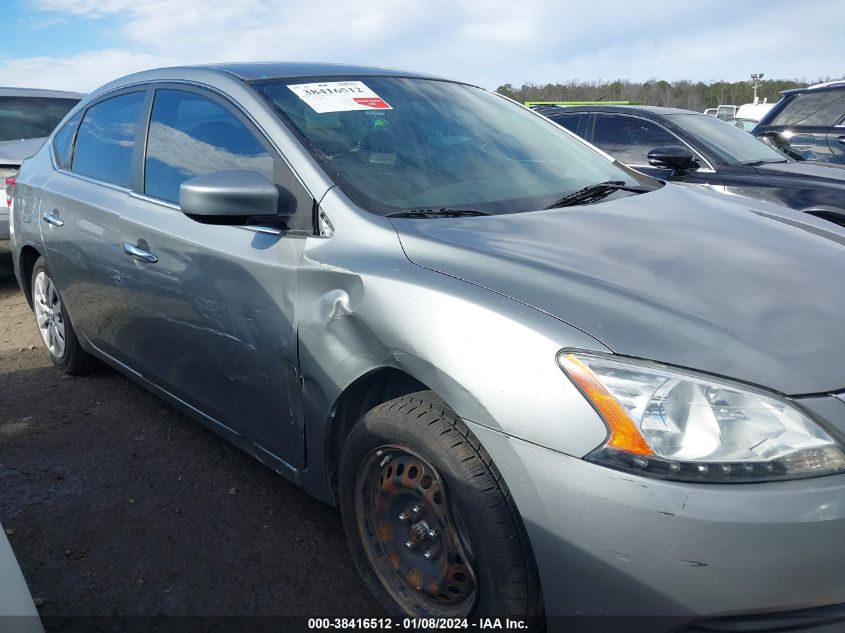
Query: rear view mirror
(672, 157)
(229, 194)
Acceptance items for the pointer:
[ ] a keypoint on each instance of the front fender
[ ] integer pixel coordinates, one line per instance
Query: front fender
(491, 358)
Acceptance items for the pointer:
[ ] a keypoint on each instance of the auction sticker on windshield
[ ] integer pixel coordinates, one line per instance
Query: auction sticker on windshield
(339, 96)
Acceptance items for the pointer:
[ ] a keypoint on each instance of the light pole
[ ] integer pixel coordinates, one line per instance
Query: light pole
(755, 83)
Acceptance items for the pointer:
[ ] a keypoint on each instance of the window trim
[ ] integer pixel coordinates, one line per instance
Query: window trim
(705, 170)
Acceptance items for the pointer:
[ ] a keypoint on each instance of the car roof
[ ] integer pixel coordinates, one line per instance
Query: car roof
(654, 111)
(39, 92)
(251, 71)
(224, 73)
(828, 85)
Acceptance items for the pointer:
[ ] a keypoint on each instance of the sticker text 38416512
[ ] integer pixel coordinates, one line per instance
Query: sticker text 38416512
(339, 96)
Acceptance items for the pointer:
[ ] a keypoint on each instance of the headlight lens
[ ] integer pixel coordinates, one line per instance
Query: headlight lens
(675, 425)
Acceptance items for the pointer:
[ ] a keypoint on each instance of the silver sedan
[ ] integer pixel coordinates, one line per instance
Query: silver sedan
(535, 382)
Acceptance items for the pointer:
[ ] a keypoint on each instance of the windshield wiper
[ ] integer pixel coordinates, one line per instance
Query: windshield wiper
(755, 163)
(436, 213)
(596, 192)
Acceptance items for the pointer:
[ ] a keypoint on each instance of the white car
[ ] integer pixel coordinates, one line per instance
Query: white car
(27, 116)
(17, 611)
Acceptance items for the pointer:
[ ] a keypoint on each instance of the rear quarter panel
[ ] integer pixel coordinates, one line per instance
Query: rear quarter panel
(35, 172)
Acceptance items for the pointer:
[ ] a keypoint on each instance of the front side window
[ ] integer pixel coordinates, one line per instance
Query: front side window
(813, 108)
(31, 117)
(394, 144)
(106, 139)
(63, 141)
(629, 139)
(191, 135)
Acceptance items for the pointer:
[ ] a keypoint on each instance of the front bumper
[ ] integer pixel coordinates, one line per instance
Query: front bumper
(612, 544)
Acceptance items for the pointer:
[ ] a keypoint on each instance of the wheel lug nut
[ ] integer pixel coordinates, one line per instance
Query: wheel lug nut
(411, 544)
(405, 515)
(428, 554)
(417, 508)
(432, 533)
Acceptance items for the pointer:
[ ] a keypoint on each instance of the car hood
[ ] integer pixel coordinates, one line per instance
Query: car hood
(833, 172)
(722, 284)
(15, 152)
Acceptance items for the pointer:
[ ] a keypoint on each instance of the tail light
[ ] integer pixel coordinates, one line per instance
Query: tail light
(11, 181)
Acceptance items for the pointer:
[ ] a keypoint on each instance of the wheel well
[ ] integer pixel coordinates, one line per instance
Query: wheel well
(29, 255)
(370, 390)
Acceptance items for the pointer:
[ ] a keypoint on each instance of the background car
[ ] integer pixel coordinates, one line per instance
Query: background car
(27, 116)
(753, 111)
(17, 610)
(685, 146)
(808, 123)
(746, 125)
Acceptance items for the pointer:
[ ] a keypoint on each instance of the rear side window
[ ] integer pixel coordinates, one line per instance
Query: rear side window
(630, 139)
(31, 117)
(191, 135)
(63, 141)
(106, 139)
(813, 108)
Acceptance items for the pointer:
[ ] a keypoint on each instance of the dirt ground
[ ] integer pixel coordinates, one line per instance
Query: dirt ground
(117, 505)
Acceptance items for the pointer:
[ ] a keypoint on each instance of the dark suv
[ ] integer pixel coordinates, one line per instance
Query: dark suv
(690, 147)
(808, 123)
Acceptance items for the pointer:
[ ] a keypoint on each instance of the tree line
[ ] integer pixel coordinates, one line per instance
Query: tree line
(676, 94)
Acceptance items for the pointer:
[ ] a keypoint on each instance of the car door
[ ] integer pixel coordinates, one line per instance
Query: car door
(214, 305)
(629, 139)
(80, 211)
(836, 141)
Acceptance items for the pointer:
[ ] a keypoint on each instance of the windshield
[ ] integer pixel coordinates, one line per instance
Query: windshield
(731, 144)
(31, 117)
(394, 144)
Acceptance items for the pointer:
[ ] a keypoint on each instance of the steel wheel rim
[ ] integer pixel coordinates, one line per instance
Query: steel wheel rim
(413, 535)
(48, 314)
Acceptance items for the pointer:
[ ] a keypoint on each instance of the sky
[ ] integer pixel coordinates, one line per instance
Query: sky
(82, 44)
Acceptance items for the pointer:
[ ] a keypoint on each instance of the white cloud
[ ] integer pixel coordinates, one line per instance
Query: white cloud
(82, 72)
(484, 41)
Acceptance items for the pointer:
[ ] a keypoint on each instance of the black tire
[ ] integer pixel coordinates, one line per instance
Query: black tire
(504, 573)
(72, 359)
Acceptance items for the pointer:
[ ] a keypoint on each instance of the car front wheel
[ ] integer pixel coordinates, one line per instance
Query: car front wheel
(432, 527)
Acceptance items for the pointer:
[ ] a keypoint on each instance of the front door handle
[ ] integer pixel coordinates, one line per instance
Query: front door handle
(139, 253)
(55, 220)
(842, 139)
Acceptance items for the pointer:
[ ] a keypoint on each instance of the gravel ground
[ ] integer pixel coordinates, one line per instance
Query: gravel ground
(117, 505)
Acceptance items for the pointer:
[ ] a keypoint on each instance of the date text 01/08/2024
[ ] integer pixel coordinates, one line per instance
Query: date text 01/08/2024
(415, 624)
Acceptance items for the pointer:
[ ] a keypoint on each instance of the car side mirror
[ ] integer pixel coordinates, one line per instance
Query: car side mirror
(229, 194)
(672, 157)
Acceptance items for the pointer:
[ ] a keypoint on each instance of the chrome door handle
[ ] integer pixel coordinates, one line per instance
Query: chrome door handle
(55, 220)
(139, 253)
(842, 139)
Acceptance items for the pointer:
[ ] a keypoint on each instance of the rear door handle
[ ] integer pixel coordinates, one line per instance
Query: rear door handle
(139, 253)
(55, 220)
(842, 139)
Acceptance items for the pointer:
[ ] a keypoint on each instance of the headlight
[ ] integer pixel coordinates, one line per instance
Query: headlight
(675, 425)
